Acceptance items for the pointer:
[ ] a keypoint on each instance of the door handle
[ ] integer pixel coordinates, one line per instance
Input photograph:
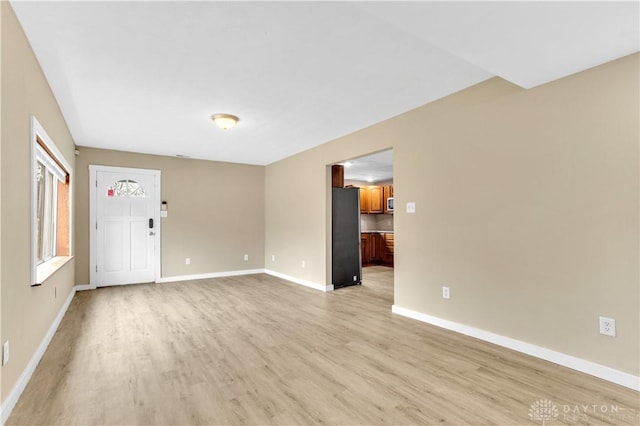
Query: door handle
(151, 223)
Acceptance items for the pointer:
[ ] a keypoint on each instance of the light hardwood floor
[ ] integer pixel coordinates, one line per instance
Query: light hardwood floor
(259, 350)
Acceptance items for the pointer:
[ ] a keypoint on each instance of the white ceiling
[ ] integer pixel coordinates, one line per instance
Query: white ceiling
(146, 76)
(372, 168)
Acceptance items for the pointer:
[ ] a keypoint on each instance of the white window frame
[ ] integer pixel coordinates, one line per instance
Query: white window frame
(58, 174)
(38, 153)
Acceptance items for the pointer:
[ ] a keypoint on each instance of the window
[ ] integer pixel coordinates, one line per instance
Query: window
(126, 188)
(50, 214)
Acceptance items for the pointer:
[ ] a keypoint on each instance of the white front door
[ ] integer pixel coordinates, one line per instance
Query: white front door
(126, 226)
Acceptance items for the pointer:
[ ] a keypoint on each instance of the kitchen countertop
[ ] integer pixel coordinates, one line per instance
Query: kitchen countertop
(376, 232)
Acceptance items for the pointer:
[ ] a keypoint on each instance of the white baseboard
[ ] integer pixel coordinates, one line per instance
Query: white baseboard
(209, 275)
(83, 287)
(607, 373)
(305, 283)
(23, 380)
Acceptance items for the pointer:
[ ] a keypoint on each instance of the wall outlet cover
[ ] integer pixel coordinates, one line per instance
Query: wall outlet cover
(608, 326)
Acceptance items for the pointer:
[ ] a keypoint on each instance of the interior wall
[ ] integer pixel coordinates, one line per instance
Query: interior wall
(215, 212)
(27, 312)
(297, 193)
(527, 208)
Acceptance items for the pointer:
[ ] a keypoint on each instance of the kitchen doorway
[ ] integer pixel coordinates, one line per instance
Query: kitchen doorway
(372, 174)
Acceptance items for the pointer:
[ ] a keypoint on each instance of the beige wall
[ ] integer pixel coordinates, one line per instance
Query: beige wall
(297, 215)
(27, 312)
(215, 212)
(527, 208)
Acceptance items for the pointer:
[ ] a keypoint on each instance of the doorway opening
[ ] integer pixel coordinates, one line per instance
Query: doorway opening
(372, 175)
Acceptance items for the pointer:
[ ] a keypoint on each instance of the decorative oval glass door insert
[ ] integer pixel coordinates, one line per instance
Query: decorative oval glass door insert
(126, 188)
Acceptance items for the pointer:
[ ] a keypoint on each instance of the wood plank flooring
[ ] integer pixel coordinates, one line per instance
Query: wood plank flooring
(258, 350)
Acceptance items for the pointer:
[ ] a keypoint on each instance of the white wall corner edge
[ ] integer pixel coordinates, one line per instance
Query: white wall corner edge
(8, 405)
(295, 280)
(603, 372)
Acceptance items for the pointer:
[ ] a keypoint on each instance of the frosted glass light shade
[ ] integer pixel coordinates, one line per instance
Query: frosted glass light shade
(225, 121)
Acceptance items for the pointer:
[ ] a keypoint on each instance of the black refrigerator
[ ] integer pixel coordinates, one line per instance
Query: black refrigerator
(345, 220)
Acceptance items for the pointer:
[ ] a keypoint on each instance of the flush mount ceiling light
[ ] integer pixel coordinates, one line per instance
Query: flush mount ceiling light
(225, 121)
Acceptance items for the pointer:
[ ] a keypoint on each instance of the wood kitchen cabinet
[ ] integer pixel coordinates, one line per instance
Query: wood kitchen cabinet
(376, 248)
(387, 249)
(376, 202)
(370, 246)
(372, 199)
(364, 249)
(364, 200)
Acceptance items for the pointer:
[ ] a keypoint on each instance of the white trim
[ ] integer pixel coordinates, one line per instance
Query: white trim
(38, 130)
(83, 287)
(305, 283)
(44, 157)
(209, 275)
(93, 170)
(23, 380)
(603, 372)
(93, 287)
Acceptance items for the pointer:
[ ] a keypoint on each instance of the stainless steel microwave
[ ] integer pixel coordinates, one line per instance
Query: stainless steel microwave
(390, 204)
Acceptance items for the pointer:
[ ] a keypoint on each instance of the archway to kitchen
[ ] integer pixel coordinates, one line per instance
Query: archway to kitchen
(361, 227)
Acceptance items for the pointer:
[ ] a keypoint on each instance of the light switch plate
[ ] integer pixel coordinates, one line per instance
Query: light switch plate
(411, 207)
(446, 293)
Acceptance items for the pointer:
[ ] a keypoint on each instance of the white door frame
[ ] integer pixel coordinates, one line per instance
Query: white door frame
(93, 236)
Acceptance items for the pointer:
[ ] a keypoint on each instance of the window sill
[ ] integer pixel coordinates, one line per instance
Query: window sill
(45, 270)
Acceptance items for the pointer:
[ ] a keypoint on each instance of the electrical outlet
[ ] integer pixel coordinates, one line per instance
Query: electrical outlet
(411, 207)
(445, 293)
(304, 264)
(5, 353)
(607, 326)
(187, 261)
(246, 257)
(273, 257)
